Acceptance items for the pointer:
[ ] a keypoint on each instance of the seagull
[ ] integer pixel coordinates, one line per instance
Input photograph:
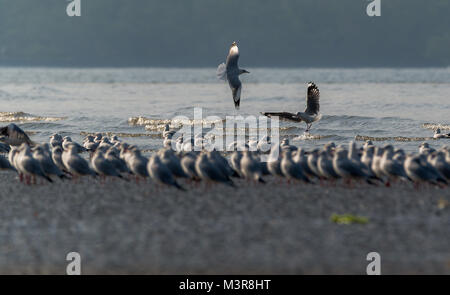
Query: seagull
(169, 159)
(325, 165)
(438, 134)
(103, 166)
(250, 168)
(14, 136)
(302, 159)
(346, 168)
(167, 132)
(425, 149)
(290, 169)
(418, 171)
(207, 171)
(159, 172)
(391, 168)
(112, 156)
(89, 144)
(57, 158)
(310, 115)
(311, 160)
(56, 140)
(274, 161)
(235, 161)
(264, 144)
(28, 165)
(220, 162)
(75, 164)
(5, 164)
(67, 142)
(230, 72)
(46, 162)
(188, 165)
(137, 163)
(285, 145)
(438, 162)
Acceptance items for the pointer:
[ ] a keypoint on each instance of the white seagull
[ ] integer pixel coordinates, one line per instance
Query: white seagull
(310, 115)
(230, 71)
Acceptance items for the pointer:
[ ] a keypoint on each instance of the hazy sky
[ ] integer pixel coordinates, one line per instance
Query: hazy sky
(186, 33)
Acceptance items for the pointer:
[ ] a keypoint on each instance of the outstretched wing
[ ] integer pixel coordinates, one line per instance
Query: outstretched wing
(283, 116)
(222, 72)
(14, 135)
(312, 99)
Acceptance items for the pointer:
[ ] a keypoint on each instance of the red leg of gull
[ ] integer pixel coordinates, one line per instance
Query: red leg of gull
(20, 177)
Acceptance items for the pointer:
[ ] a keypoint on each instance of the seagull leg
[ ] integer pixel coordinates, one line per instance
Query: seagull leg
(308, 127)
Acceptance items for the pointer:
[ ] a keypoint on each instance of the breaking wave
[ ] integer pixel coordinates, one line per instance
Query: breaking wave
(434, 126)
(391, 138)
(25, 117)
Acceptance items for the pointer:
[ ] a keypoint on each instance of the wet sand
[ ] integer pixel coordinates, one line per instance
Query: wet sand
(278, 228)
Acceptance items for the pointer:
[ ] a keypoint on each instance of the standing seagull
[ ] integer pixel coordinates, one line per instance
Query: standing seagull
(231, 71)
(310, 115)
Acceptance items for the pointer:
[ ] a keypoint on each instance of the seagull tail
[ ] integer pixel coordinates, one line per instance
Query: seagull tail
(179, 186)
(236, 103)
(237, 97)
(123, 178)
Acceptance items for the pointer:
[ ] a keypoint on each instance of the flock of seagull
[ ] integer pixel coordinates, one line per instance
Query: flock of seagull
(191, 159)
(109, 157)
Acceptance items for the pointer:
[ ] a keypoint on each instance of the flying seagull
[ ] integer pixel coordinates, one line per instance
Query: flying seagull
(14, 136)
(311, 113)
(230, 72)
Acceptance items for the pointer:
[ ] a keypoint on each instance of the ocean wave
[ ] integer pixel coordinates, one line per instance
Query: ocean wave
(434, 126)
(306, 136)
(176, 122)
(25, 117)
(391, 138)
(121, 134)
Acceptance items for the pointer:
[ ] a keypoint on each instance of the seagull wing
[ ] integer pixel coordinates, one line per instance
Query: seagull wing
(312, 99)
(222, 72)
(283, 116)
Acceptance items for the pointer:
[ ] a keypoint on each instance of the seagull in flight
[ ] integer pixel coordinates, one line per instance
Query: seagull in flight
(13, 135)
(230, 72)
(310, 115)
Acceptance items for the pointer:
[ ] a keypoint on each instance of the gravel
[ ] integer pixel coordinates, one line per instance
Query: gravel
(123, 227)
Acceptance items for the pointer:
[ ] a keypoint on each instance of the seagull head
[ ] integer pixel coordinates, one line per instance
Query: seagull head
(311, 85)
(233, 44)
